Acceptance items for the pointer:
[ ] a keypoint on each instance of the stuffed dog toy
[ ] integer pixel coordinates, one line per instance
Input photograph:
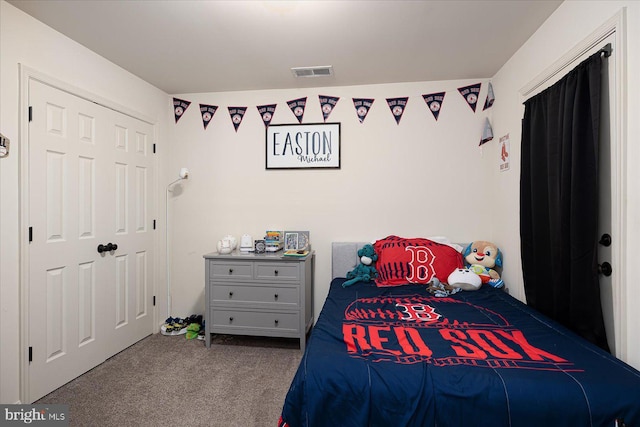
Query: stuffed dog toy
(481, 257)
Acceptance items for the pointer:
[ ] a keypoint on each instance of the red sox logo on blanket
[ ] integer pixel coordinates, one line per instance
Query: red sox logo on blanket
(416, 328)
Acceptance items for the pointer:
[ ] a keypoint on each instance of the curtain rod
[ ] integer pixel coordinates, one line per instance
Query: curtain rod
(606, 50)
(570, 58)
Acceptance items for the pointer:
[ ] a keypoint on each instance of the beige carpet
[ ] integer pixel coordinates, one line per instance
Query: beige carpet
(171, 381)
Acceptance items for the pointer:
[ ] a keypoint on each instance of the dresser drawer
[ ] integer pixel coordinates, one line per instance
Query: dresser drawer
(252, 321)
(255, 294)
(231, 270)
(277, 271)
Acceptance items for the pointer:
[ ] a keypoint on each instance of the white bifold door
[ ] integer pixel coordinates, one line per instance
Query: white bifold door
(91, 235)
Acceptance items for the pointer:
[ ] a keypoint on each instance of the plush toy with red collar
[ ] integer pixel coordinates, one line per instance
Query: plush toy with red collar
(482, 257)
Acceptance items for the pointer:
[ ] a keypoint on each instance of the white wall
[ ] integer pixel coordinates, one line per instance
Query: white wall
(572, 22)
(418, 178)
(27, 41)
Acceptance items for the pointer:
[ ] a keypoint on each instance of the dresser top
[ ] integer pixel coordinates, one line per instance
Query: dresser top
(237, 255)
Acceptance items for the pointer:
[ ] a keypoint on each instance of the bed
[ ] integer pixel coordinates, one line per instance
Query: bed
(399, 356)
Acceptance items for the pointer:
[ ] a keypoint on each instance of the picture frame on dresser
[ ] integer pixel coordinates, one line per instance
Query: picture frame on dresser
(296, 240)
(259, 246)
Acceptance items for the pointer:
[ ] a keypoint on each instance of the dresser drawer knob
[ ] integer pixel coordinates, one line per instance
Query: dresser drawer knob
(275, 272)
(230, 319)
(230, 294)
(276, 322)
(231, 271)
(275, 296)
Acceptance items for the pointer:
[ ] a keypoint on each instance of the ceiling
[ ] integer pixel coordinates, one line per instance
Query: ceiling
(215, 46)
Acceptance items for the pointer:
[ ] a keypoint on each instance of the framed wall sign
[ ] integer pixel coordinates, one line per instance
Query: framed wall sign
(302, 146)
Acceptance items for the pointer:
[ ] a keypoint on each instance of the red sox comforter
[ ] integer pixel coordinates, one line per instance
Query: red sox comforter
(398, 356)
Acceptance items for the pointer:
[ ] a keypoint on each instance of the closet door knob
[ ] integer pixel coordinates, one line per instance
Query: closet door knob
(107, 248)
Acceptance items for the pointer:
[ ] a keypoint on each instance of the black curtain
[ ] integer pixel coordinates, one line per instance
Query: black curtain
(559, 201)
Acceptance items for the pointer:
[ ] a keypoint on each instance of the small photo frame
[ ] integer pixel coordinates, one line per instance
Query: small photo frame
(260, 246)
(296, 240)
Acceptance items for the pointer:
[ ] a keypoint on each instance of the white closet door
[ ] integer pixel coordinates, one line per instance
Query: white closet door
(90, 172)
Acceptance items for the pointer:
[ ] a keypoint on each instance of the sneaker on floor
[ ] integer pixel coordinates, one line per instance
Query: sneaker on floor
(192, 331)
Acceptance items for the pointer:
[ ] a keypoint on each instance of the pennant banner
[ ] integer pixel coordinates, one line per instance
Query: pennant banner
(297, 107)
(207, 112)
(266, 112)
(363, 105)
(490, 97)
(487, 132)
(179, 107)
(470, 94)
(237, 114)
(434, 102)
(327, 103)
(397, 106)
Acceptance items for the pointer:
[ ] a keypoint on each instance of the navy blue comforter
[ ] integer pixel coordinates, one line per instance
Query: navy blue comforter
(402, 357)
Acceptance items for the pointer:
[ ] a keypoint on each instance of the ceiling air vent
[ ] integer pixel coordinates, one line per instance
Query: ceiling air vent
(322, 71)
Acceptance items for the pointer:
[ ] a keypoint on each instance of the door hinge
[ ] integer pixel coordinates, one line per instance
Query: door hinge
(154, 300)
(30, 234)
(154, 148)
(154, 224)
(30, 354)
(30, 113)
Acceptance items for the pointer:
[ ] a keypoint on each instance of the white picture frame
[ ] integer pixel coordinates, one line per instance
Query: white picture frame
(296, 240)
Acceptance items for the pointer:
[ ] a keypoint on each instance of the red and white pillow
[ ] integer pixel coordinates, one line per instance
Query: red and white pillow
(403, 261)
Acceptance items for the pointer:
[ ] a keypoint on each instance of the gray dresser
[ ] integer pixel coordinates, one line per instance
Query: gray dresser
(259, 294)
